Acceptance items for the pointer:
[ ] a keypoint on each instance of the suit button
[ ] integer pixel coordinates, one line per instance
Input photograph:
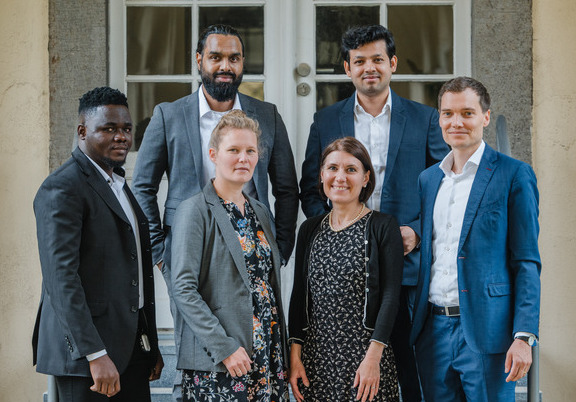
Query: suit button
(133, 256)
(129, 228)
(209, 354)
(134, 282)
(205, 350)
(134, 309)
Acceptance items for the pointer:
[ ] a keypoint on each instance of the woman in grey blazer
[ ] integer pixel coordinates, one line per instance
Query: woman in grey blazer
(226, 280)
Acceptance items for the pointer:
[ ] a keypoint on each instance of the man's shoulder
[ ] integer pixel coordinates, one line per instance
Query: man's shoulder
(178, 103)
(336, 108)
(251, 102)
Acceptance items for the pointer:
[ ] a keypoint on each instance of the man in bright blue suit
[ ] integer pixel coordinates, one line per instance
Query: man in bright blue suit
(403, 139)
(478, 297)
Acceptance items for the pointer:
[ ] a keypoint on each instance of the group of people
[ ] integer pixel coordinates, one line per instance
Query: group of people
(418, 264)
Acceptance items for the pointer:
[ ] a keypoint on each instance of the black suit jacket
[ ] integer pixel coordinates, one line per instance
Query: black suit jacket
(89, 272)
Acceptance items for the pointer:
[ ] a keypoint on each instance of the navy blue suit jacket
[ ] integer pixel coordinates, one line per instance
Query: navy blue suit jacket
(498, 259)
(415, 143)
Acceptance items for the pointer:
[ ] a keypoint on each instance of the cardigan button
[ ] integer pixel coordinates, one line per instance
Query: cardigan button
(367, 290)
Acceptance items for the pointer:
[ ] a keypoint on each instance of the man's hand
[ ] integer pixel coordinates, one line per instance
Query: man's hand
(518, 360)
(105, 376)
(409, 239)
(157, 369)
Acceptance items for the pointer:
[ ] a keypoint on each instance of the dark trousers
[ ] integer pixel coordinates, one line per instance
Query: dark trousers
(403, 351)
(134, 383)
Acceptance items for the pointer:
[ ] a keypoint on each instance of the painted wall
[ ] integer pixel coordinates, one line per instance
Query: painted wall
(24, 128)
(554, 146)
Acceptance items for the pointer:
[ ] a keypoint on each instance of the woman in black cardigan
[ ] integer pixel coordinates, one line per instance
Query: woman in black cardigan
(346, 287)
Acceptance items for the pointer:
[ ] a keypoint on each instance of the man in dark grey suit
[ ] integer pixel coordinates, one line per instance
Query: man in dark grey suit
(96, 327)
(176, 143)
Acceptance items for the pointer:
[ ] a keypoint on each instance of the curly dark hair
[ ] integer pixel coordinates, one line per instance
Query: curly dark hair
(101, 96)
(217, 29)
(357, 37)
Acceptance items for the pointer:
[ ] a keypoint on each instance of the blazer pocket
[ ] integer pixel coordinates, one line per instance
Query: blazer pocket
(499, 289)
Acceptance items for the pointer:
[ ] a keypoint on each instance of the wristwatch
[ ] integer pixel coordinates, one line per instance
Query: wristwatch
(528, 339)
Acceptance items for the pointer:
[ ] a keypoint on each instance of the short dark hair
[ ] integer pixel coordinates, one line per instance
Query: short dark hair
(460, 84)
(100, 96)
(355, 148)
(217, 29)
(356, 37)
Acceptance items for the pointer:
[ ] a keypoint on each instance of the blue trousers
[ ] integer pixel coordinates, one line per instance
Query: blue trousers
(451, 371)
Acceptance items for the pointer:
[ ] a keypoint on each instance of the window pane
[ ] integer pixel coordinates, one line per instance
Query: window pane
(328, 93)
(158, 40)
(423, 92)
(143, 96)
(331, 23)
(249, 21)
(253, 89)
(424, 38)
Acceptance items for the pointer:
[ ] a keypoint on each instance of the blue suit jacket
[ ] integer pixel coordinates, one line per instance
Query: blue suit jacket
(172, 145)
(498, 259)
(415, 143)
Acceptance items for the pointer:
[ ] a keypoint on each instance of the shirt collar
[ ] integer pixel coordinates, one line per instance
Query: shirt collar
(115, 179)
(358, 109)
(472, 162)
(204, 107)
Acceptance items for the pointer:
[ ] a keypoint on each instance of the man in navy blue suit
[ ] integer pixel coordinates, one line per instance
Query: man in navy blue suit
(478, 299)
(403, 139)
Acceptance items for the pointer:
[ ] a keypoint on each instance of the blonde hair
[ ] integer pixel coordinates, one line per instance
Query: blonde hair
(233, 119)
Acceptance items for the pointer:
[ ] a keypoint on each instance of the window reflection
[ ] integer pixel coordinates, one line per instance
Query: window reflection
(423, 92)
(143, 96)
(424, 38)
(331, 23)
(249, 21)
(158, 40)
(328, 93)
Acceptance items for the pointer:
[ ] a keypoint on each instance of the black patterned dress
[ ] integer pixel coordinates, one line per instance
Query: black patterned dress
(336, 341)
(267, 381)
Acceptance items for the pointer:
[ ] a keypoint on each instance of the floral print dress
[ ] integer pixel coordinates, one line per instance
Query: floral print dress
(267, 381)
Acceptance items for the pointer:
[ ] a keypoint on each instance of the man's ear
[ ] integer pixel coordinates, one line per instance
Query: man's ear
(347, 68)
(81, 130)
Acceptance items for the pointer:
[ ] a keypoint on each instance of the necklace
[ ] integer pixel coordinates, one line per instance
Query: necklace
(346, 224)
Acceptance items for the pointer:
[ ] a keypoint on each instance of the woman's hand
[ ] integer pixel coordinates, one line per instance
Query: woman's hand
(367, 378)
(238, 363)
(297, 371)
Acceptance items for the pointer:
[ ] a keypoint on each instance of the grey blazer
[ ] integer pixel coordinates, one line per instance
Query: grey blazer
(172, 145)
(210, 283)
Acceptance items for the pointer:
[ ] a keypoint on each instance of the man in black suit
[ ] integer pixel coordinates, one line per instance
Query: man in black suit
(96, 327)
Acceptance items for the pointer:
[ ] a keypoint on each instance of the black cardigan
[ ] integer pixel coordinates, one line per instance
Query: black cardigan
(384, 276)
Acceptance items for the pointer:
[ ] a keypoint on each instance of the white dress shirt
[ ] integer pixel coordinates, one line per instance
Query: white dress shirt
(449, 209)
(374, 134)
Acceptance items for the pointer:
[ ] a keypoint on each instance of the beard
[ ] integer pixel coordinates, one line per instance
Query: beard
(113, 164)
(221, 91)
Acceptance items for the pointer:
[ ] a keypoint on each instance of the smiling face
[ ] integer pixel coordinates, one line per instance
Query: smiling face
(105, 135)
(236, 156)
(371, 69)
(343, 177)
(462, 120)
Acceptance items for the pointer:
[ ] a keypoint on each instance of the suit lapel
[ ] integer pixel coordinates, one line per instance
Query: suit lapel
(97, 182)
(488, 164)
(397, 123)
(227, 231)
(346, 119)
(191, 112)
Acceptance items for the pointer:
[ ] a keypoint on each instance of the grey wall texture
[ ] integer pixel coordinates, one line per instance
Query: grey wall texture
(78, 50)
(501, 59)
